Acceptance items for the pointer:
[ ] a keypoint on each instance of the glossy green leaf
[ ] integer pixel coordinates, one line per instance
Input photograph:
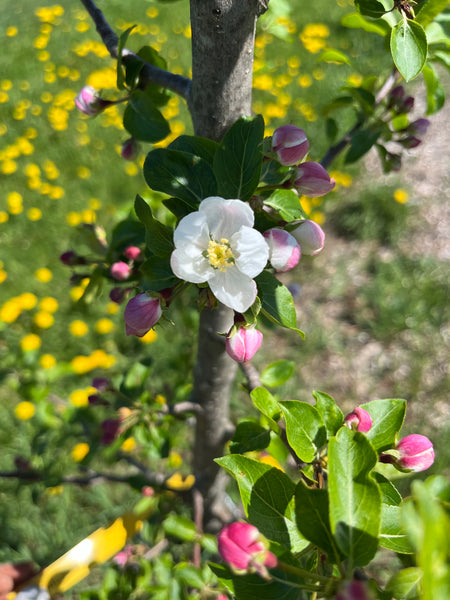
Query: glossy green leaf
(198, 146)
(428, 11)
(370, 8)
(435, 91)
(277, 373)
(268, 498)
(180, 174)
(287, 204)
(157, 274)
(251, 314)
(389, 493)
(122, 41)
(409, 48)
(189, 575)
(334, 56)
(238, 160)
(248, 437)
(312, 512)
(180, 527)
(387, 420)
(355, 498)
(357, 21)
(362, 141)
(404, 584)
(159, 237)
(265, 403)
(392, 533)
(363, 97)
(305, 429)
(329, 411)
(277, 302)
(143, 120)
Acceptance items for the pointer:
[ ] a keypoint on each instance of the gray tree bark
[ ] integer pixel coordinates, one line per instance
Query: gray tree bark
(223, 35)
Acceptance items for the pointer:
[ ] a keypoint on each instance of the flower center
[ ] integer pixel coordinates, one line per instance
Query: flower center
(219, 254)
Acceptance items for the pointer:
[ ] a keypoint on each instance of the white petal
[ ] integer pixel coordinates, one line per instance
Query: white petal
(225, 217)
(189, 266)
(234, 289)
(192, 230)
(250, 250)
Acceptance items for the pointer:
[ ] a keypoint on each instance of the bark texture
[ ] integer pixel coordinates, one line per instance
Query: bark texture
(223, 33)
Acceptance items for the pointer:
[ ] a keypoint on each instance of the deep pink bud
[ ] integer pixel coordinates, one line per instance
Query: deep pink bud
(121, 558)
(290, 144)
(406, 105)
(359, 420)
(410, 142)
(415, 453)
(354, 590)
(284, 250)
(243, 548)
(130, 149)
(312, 180)
(102, 384)
(70, 259)
(141, 313)
(132, 252)
(118, 295)
(243, 345)
(120, 271)
(418, 127)
(110, 428)
(397, 93)
(89, 103)
(310, 236)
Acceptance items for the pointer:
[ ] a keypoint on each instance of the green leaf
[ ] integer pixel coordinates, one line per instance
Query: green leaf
(143, 120)
(305, 429)
(355, 499)
(334, 56)
(357, 21)
(392, 533)
(409, 48)
(251, 314)
(363, 97)
(277, 373)
(429, 10)
(370, 8)
(404, 584)
(157, 274)
(362, 142)
(180, 174)
(387, 420)
(267, 495)
(238, 160)
(312, 512)
(189, 575)
(265, 403)
(198, 146)
(277, 302)
(329, 411)
(389, 493)
(435, 91)
(129, 232)
(122, 41)
(248, 437)
(159, 237)
(180, 527)
(178, 207)
(287, 204)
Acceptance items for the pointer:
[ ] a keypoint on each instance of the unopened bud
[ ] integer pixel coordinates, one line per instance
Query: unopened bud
(120, 271)
(284, 250)
(359, 420)
(418, 127)
(244, 344)
(71, 259)
(130, 149)
(89, 103)
(141, 313)
(310, 236)
(415, 453)
(409, 142)
(132, 252)
(244, 549)
(312, 180)
(290, 144)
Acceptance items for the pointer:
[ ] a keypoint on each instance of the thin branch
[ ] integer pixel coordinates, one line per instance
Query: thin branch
(251, 374)
(149, 73)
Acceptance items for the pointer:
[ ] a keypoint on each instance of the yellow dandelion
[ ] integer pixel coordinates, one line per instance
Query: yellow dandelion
(78, 328)
(94, 204)
(43, 275)
(14, 202)
(178, 483)
(304, 80)
(3, 97)
(25, 410)
(30, 342)
(27, 301)
(152, 12)
(401, 196)
(104, 326)
(4, 217)
(55, 490)
(12, 31)
(73, 218)
(10, 311)
(56, 192)
(131, 169)
(80, 451)
(88, 216)
(3, 275)
(6, 84)
(80, 397)
(175, 460)
(128, 445)
(150, 337)
(160, 399)
(43, 319)
(81, 364)
(83, 172)
(34, 214)
(49, 304)
(9, 167)
(47, 361)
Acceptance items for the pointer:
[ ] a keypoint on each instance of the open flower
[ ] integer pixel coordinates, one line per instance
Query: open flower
(217, 244)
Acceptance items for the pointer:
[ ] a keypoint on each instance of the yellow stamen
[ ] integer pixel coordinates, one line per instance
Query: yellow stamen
(220, 255)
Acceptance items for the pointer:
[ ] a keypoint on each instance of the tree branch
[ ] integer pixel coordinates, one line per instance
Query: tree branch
(149, 73)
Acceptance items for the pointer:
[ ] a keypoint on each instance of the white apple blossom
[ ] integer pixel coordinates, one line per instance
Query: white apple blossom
(217, 244)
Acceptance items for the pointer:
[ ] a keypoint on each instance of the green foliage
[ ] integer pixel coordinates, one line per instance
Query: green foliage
(409, 48)
(143, 120)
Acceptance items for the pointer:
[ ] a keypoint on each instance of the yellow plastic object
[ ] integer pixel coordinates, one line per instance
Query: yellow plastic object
(97, 548)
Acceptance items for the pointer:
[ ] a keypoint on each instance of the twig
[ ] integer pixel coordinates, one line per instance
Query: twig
(149, 73)
(251, 374)
(197, 499)
(157, 549)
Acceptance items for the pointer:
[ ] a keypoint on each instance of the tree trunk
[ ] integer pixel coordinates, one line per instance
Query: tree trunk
(223, 34)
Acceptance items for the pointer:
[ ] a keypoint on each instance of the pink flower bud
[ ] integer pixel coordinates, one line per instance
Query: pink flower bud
(243, 345)
(418, 127)
(312, 180)
(141, 313)
(415, 453)
(359, 420)
(290, 144)
(102, 384)
(70, 259)
(406, 105)
(121, 558)
(284, 250)
(354, 590)
(130, 149)
(89, 103)
(310, 236)
(410, 142)
(118, 295)
(120, 271)
(132, 252)
(110, 428)
(244, 549)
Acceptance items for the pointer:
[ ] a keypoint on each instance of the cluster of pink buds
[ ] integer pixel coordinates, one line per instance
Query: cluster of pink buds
(245, 550)
(121, 558)
(290, 147)
(121, 270)
(141, 314)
